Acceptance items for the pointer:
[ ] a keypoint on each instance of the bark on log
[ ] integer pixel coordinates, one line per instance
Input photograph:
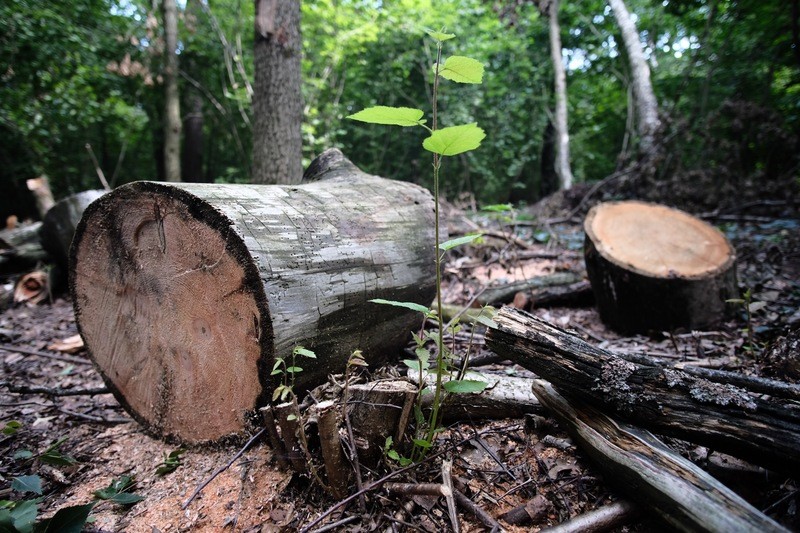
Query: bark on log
(644, 468)
(21, 249)
(186, 293)
(656, 268)
(726, 418)
(58, 226)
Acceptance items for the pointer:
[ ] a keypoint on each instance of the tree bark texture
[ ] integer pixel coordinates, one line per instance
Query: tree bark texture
(648, 122)
(172, 101)
(560, 83)
(653, 268)
(764, 430)
(646, 470)
(277, 100)
(185, 294)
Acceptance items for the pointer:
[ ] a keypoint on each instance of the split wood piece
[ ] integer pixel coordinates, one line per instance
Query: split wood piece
(607, 518)
(58, 225)
(529, 512)
(503, 397)
(723, 417)
(336, 467)
(275, 442)
(40, 187)
(644, 468)
(32, 288)
(186, 293)
(447, 481)
(288, 418)
(505, 293)
(377, 410)
(657, 268)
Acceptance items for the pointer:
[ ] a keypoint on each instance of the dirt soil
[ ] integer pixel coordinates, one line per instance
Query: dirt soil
(528, 466)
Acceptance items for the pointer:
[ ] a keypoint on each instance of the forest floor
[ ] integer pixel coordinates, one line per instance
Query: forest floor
(78, 440)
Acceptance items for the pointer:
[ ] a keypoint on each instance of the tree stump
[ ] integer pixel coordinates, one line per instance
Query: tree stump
(186, 294)
(653, 268)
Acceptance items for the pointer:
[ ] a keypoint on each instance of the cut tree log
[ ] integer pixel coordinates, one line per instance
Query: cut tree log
(187, 293)
(21, 249)
(740, 421)
(58, 226)
(647, 471)
(656, 268)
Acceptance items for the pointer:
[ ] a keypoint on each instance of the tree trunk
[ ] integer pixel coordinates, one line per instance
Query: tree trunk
(193, 140)
(646, 470)
(648, 122)
(186, 294)
(653, 268)
(277, 99)
(758, 423)
(561, 131)
(59, 224)
(172, 102)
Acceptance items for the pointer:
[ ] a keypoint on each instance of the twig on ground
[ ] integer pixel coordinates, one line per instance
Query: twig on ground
(418, 489)
(53, 391)
(28, 351)
(221, 469)
(447, 481)
(485, 518)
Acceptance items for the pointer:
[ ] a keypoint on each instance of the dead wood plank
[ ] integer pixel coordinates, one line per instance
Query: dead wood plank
(647, 471)
(732, 419)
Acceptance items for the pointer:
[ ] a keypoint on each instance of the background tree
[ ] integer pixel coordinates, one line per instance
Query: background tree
(561, 130)
(172, 101)
(277, 100)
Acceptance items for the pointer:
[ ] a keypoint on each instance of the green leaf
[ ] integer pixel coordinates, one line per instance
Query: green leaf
(11, 427)
(461, 69)
(497, 208)
(393, 455)
(455, 139)
(299, 350)
(291, 417)
(23, 454)
(294, 370)
(464, 386)
(56, 458)
(417, 365)
(67, 520)
(486, 321)
(422, 443)
(440, 35)
(27, 484)
(408, 305)
(452, 243)
(171, 462)
(116, 492)
(20, 517)
(391, 116)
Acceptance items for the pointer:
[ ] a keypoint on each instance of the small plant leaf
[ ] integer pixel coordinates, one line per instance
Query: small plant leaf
(27, 484)
(486, 321)
(408, 305)
(67, 520)
(461, 69)
(11, 427)
(291, 417)
(422, 443)
(294, 370)
(455, 139)
(417, 365)
(392, 454)
(391, 116)
(497, 208)
(171, 462)
(20, 516)
(23, 454)
(452, 243)
(463, 386)
(299, 350)
(440, 35)
(116, 492)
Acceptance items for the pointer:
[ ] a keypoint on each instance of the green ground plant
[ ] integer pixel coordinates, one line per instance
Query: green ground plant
(441, 142)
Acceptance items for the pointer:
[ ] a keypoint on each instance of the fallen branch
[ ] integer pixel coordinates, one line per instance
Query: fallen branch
(726, 418)
(28, 351)
(606, 518)
(54, 391)
(649, 472)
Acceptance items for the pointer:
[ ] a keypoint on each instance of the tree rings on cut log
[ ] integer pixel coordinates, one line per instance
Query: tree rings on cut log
(654, 268)
(186, 294)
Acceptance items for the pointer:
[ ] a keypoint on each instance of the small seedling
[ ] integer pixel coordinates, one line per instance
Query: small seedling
(118, 491)
(441, 142)
(285, 390)
(171, 462)
(52, 455)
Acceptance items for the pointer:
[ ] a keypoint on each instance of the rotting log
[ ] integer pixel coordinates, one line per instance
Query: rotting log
(656, 268)
(647, 471)
(742, 422)
(185, 294)
(21, 249)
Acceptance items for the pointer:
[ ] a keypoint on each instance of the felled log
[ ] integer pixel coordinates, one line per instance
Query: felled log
(21, 249)
(764, 430)
(656, 268)
(646, 470)
(58, 225)
(187, 293)
(505, 293)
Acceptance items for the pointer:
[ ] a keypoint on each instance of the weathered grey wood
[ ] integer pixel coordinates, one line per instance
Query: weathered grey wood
(58, 225)
(646, 470)
(505, 293)
(763, 430)
(186, 293)
(21, 249)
